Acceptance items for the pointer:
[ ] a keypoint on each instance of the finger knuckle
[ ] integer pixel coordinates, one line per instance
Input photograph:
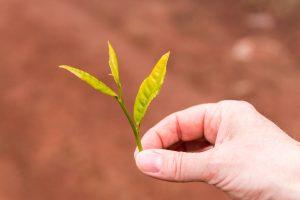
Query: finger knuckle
(177, 166)
(245, 104)
(235, 105)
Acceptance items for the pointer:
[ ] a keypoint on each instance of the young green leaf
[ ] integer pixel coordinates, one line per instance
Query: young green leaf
(113, 64)
(91, 80)
(149, 89)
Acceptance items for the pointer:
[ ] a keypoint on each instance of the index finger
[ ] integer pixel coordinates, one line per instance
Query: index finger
(186, 125)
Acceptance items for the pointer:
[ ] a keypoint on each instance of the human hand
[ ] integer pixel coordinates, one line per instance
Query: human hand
(227, 144)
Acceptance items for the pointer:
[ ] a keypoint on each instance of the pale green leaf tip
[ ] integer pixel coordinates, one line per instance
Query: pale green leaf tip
(63, 66)
(109, 45)
(166, 55)
(110, 48)
(66, 67)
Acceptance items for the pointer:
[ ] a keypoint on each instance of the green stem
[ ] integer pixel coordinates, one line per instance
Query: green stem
(135, 129)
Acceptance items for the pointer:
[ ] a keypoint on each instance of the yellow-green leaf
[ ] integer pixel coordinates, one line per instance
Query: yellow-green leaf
(91, 80)
(150, 88)
(113, 64)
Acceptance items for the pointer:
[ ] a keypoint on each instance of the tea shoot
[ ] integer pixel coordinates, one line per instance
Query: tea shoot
(148, 90)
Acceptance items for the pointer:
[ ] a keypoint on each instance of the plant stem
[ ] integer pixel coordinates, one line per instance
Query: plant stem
(135, 129)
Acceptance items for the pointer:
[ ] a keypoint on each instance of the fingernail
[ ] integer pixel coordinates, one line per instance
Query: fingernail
(149, 161)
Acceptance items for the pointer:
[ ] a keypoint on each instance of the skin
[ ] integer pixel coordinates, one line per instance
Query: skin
(227, 144)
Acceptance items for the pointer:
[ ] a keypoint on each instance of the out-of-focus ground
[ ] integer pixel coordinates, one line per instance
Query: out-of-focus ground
(59, 139)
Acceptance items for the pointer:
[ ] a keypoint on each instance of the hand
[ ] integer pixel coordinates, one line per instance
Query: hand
(226, 144)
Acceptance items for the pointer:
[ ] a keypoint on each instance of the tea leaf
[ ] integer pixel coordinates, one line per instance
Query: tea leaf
(113, 64)
(91, 80)
(150, 88)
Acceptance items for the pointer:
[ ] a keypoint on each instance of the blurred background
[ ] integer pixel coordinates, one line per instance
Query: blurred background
(59, 139)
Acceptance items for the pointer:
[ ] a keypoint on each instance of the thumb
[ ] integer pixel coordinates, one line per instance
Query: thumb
(173, 165)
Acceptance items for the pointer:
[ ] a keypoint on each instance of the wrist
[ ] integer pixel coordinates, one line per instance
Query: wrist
(289, 187)
(295, 187)
(288, 192)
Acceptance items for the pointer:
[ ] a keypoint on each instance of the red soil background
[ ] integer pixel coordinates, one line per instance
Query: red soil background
(59, 139)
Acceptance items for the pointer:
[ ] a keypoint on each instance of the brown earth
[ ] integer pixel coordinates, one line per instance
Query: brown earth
(59, 139)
